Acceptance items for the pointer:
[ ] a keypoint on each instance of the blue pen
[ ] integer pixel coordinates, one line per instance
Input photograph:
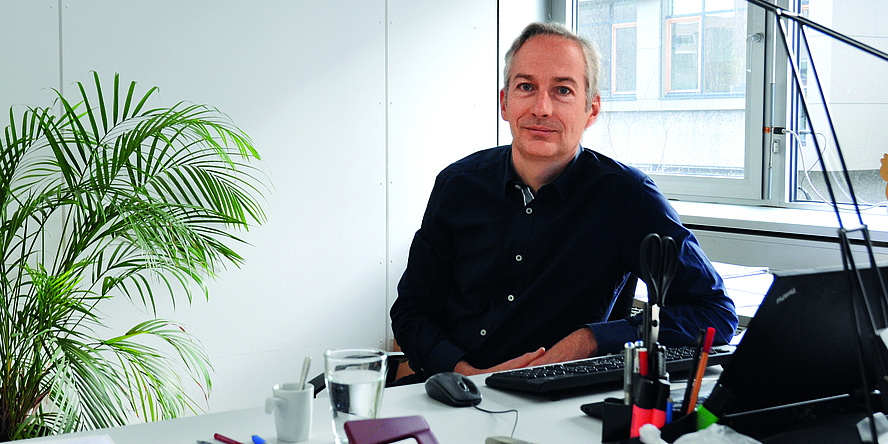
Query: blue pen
(258, 440)
(669, 406)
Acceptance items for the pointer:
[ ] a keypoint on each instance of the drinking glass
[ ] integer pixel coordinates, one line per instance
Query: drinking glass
(355, 379)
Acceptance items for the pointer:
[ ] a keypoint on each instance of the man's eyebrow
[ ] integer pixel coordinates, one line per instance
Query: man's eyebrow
(524, 76)
(565, 79)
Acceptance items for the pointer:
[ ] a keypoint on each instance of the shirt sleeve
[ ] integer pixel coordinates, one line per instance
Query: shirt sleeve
(696, 299)
(422, 291)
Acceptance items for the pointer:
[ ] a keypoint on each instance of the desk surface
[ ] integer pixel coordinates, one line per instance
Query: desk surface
(540, 420)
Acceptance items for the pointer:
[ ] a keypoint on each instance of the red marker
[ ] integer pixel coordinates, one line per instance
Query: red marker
(225, 439)
(698, 378)
(642, 362)
(645, 399)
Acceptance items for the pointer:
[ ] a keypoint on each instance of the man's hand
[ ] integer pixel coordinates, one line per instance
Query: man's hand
(580, 344)
(524, 360)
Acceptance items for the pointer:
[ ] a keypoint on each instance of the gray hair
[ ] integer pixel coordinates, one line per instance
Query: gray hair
(590, 53)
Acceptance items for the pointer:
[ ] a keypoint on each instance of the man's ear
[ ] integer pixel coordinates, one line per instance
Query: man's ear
(502, 100)
(593, 112)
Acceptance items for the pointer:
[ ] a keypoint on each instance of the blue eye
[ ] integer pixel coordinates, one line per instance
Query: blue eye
(564, 90)
(525, 86)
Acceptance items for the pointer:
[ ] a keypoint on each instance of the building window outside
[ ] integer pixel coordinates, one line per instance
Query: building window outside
(612, 25)
(624, 55)
(683, 59)
(705, 47)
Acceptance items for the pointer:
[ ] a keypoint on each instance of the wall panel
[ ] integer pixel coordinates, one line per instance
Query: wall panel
(307, 81)
(442, 103)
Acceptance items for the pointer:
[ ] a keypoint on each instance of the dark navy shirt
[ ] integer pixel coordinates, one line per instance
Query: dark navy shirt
(490, 278)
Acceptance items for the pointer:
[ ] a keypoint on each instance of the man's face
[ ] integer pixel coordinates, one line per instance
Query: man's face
(546, 101)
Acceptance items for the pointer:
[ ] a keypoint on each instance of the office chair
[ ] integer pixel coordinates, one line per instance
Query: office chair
(388, 430)
(622, 308)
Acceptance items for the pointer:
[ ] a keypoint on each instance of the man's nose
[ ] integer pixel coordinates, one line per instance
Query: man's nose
(542, 107)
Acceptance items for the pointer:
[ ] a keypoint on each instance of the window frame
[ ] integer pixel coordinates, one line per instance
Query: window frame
(752, 188)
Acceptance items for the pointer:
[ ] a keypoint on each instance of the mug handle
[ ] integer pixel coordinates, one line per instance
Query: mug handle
(273, 401)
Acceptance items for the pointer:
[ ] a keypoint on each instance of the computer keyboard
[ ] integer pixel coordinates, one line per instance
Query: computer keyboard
(590, 372)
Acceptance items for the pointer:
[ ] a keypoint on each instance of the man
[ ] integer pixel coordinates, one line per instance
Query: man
(523, 248)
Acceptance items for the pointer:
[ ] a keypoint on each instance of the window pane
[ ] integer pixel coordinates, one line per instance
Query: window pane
(724, 57)
(684, 56)
(853, 84)
(677, 122)
(719, 5)
(680, 7)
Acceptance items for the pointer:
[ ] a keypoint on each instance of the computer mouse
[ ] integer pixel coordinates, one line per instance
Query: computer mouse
(453, 389)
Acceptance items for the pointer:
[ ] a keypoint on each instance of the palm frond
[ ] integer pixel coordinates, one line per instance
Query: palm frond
(106, 196)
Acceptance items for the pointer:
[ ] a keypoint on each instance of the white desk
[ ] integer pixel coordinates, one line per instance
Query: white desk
(746, 286)
(540, 421)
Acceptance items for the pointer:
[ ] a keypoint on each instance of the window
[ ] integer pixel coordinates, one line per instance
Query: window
(853, 84)
(674, 93)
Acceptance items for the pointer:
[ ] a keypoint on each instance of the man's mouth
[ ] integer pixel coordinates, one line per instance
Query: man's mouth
(539, 130)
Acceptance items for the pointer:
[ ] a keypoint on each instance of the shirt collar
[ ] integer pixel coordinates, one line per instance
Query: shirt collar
(562, 183)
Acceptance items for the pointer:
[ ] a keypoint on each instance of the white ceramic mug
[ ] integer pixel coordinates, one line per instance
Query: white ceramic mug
(291, 405)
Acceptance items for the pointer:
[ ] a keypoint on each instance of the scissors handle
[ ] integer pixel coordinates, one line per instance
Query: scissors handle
(669, 262)
(650, 260)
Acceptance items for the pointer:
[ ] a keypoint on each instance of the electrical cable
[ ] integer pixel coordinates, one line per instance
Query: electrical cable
(797, 137)
(496, 412)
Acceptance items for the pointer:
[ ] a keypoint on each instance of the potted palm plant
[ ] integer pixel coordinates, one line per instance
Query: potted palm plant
(105, 197)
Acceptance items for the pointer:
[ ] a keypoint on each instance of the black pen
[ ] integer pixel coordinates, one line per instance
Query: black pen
(698, 349)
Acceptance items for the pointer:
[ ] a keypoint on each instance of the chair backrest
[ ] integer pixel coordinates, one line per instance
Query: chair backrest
(393, 361)
(388, 430)
(625, 298)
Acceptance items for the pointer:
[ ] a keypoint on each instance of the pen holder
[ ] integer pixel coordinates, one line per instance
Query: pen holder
(616, 417)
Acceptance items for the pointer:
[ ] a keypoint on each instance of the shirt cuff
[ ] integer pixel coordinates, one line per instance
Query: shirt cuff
(612, 336)
(443, 357)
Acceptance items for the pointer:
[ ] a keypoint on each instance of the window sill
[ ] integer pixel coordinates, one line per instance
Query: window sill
(780, 222)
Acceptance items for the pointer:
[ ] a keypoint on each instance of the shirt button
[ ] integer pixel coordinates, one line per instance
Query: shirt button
(511, 297)
(518, 257)
(483, 332)
(528, 210)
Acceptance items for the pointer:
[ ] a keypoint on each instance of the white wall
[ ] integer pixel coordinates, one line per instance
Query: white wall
(442, 106)
(354, 105)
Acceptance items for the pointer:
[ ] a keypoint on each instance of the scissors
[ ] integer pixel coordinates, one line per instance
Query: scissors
(658, 259)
